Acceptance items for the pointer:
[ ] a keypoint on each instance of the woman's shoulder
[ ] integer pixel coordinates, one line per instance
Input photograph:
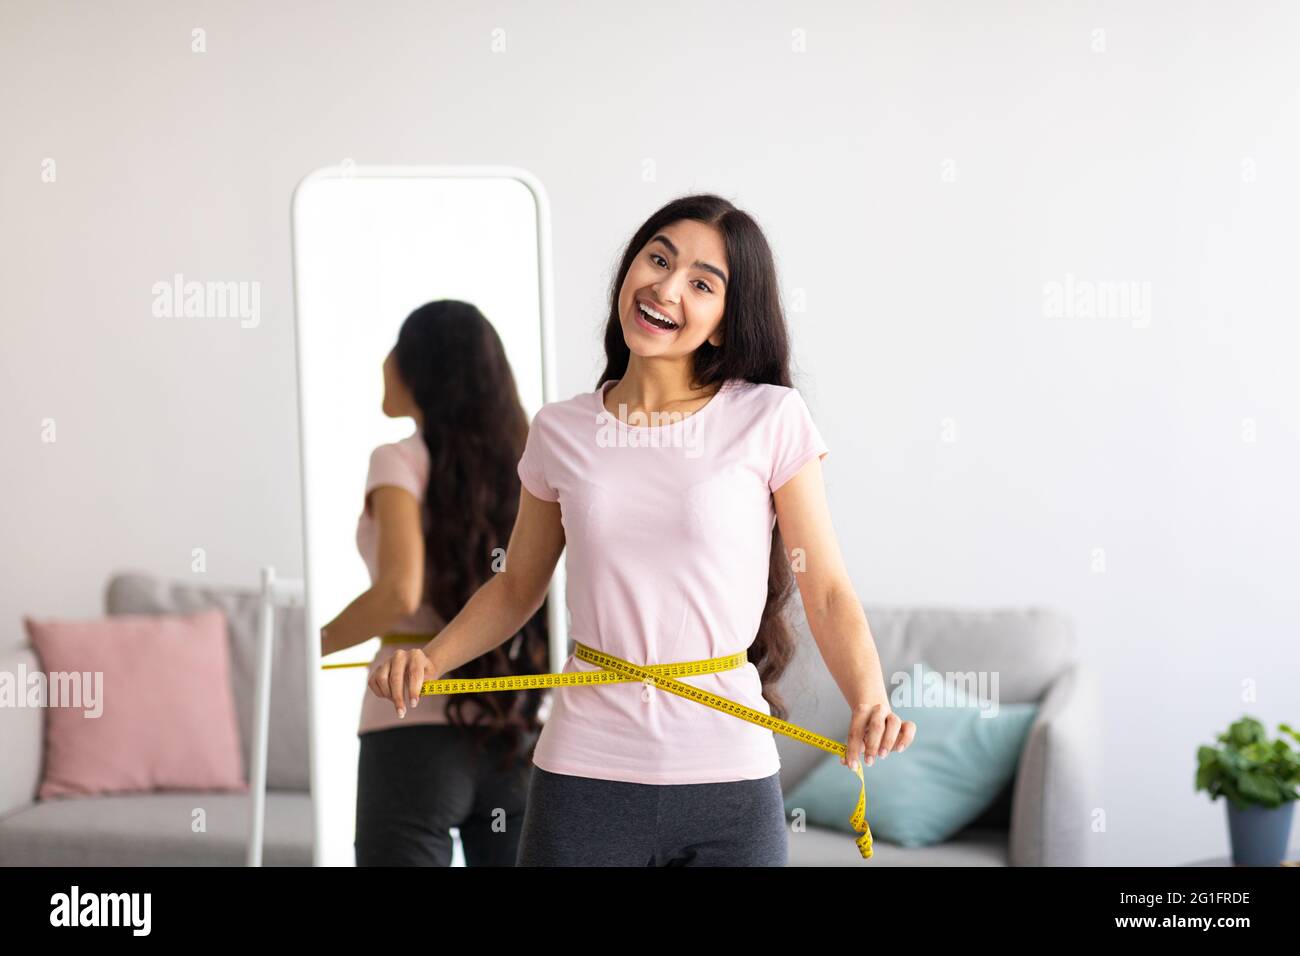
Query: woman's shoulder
(410, 452)
(559, 409)
(763, 396)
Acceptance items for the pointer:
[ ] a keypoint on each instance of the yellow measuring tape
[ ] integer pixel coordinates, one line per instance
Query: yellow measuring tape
(617, 670)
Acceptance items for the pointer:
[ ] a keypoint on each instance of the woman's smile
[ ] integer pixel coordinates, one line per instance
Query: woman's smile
(649, 322)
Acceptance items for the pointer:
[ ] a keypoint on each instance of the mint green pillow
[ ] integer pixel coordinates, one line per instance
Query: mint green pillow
(954, 769)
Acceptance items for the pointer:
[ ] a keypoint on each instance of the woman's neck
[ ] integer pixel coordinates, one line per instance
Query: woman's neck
(651, 391)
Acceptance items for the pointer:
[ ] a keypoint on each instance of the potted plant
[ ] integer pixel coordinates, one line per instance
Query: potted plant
(1259, 778)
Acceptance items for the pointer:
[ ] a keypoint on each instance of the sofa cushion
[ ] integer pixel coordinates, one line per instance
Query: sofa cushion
(288, 759)
(1027, 648)
(820, 846)
(965, 754)
(22, 734)
(157, 829)
(136, 703)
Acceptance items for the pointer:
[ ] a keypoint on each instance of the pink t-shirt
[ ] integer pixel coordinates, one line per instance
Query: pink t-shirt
(668, 534)
(404, 464)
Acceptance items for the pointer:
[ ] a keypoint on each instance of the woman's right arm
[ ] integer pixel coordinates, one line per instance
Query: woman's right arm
(494, 613)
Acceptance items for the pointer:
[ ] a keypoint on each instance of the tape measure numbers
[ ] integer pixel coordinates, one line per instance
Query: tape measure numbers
(616, 670)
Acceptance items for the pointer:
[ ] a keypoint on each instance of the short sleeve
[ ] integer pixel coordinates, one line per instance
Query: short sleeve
(532, 464)
(796, 440)
(390, 466)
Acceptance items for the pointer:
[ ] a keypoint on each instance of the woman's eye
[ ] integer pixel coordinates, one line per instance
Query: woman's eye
(661, 261)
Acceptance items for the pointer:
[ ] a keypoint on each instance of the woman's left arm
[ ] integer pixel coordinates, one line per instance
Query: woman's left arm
(836, 618)
(398, 588)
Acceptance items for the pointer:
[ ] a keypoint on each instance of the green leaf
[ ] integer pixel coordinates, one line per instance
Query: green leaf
(1260, 788)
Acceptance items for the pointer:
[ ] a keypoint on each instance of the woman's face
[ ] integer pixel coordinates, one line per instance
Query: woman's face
(681, 273)
(397, 399)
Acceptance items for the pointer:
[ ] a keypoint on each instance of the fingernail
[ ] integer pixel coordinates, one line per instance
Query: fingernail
(401, 713)
(870, 761)
(415, 702)
(854, 765)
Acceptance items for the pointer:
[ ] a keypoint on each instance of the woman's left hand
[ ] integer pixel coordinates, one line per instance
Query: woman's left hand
(876, 731)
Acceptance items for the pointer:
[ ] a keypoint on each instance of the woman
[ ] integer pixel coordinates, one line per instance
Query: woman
(438, 510)
(675, 554)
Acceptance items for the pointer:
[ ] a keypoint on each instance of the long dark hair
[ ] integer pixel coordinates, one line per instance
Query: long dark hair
(451, 359)
(755, 348)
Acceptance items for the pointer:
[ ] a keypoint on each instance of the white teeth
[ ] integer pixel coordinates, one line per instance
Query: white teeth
(652, 312)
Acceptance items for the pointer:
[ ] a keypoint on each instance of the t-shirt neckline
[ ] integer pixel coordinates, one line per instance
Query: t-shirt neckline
(602, 410)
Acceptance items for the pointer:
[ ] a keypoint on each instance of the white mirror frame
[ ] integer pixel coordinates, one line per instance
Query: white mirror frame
(556, 618)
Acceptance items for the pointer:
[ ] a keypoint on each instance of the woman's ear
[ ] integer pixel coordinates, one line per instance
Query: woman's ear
(716, 338)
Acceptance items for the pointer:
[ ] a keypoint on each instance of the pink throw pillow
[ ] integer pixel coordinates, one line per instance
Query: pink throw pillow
(137, 702)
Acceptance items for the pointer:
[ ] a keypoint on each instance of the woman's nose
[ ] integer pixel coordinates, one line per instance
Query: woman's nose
(669, 289)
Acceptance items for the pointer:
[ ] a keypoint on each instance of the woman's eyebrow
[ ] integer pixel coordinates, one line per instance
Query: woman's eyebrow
(703, 265)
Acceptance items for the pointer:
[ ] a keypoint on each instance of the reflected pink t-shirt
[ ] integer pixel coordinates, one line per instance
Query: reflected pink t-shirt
(668, 534)
(403, 464)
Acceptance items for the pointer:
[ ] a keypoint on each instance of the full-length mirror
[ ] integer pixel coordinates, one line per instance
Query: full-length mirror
(416, 288)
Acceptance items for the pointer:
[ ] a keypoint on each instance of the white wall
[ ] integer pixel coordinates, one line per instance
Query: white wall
(922, 170)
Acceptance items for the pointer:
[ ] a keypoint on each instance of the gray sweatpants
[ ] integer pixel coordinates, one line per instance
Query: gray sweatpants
(582, 821)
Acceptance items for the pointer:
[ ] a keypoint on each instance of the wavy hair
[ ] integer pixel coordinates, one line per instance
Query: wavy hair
(452, 361)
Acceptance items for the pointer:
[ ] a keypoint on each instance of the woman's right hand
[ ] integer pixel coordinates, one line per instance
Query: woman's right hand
(400, 677)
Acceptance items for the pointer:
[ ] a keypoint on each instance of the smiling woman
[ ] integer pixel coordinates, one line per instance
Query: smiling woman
(666, 291)
(674, 555)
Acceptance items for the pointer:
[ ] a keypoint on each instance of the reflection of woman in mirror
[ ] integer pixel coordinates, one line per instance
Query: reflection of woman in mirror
(438, 511)
(684, 541)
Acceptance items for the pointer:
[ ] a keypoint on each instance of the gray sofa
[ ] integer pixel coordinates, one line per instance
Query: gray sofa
(1043, 817)
(154, 829)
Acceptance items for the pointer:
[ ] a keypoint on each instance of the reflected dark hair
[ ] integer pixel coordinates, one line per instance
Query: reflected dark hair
(755, 348)
(451, 359)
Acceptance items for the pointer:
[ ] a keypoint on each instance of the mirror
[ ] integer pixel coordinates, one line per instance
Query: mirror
(372, 244)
